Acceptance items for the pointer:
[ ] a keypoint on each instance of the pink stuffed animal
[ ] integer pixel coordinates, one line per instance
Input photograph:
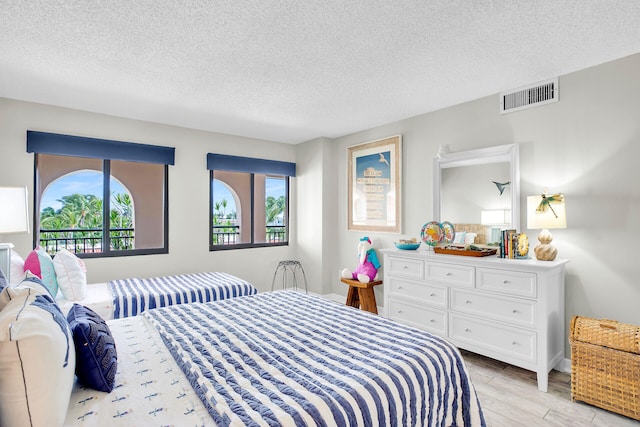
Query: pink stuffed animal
(367, 269)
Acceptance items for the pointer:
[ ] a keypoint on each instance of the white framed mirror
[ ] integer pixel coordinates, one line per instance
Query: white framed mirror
(478, 190)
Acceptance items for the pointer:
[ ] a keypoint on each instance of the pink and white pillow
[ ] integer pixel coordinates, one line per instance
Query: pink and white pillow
(40, 263)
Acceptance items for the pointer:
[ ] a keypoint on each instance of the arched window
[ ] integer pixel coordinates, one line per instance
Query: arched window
(225, 215)
(260, 190)
(86, 190)
(71, 214)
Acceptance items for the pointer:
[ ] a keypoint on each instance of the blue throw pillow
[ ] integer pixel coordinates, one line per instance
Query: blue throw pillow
(96, 357)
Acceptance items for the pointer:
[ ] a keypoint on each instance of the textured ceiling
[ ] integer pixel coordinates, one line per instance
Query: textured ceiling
(291, 71)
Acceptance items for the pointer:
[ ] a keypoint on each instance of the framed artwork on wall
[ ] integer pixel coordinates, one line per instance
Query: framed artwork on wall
(374, 194)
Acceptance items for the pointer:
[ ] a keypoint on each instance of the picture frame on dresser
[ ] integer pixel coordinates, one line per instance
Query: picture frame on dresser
(509, 310)
(374, 185)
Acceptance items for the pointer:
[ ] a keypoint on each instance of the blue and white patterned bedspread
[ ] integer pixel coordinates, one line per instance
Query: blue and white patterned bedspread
(286, 358)
(150, 388)
(133, 296)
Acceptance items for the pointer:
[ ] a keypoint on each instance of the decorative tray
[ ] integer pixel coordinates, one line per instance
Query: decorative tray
(452, 250)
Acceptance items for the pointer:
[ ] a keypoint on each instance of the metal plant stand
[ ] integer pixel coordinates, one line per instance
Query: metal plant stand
(294, 267)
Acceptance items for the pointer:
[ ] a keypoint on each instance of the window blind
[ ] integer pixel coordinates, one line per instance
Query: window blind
(249, 165)
(79, 146)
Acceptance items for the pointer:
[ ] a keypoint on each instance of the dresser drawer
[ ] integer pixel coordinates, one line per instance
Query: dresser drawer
(515, 343)
(453, 274)
(404, 267)
(508, 282)
(512, 310)
(430, 293)
(430, 319)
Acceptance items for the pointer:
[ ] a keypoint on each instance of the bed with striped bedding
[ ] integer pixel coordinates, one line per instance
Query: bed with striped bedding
(133, 296)
(286, 358)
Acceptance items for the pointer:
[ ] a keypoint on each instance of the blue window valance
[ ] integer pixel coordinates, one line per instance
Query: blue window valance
(94, 148)
(249, 165)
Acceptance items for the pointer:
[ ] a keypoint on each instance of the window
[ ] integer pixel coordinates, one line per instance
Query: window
(249, 202)
(100, 198)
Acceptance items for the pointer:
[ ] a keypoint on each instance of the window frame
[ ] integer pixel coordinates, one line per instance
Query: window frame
(105, 150)
(251, 166)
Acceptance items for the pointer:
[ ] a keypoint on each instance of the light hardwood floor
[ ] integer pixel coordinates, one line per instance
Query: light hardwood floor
(509, 397)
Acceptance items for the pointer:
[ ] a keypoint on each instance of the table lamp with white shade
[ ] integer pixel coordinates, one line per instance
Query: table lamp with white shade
(14, 218)
(545, 212)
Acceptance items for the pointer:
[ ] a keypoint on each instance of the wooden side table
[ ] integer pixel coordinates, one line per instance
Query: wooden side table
(361, 295)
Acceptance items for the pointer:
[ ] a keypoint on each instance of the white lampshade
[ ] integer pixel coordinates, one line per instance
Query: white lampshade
(14, 210)
(554, 216)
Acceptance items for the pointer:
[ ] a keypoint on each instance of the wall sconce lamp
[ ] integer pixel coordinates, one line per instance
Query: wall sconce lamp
(14, 218)
(545, 212)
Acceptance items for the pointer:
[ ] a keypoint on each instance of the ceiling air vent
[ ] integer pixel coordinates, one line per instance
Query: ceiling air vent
(529, 96)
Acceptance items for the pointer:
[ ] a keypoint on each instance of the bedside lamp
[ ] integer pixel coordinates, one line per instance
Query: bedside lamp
(545, 212)
(14, 218)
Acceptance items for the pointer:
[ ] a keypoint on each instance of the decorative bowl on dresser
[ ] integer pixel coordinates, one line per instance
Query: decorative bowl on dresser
(509, 310)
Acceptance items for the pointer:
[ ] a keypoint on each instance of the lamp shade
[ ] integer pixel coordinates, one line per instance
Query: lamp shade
(14, 208)
(546, 211)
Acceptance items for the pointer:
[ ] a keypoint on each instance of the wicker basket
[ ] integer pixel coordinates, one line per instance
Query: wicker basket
(605, 365)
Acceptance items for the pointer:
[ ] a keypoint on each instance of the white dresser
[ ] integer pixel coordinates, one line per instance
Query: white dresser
(506, 309)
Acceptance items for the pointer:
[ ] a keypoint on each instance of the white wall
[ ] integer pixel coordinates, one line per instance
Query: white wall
(309, 218)
(317, 212)
(587, 146)
(188, 189)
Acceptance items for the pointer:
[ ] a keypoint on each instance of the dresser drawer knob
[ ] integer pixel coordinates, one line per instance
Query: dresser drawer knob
(432, 321)
(449, 274)
(432, 295)
(505, 282)
(399, 287)
(467, 302)
(404, 267)
(514, 343)
(467, 330)
(514, 311)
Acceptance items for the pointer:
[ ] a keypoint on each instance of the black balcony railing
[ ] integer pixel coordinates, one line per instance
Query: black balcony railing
(85, 240)
(226, 234)
(276, 233)
(230, 234)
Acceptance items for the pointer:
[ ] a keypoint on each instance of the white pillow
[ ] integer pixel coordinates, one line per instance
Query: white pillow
(17, 268)
(71, 274)
(37, 360)
(459, 237)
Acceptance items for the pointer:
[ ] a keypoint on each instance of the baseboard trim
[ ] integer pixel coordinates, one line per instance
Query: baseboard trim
(564, 366)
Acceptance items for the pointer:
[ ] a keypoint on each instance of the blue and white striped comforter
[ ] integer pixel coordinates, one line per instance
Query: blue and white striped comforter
(133, 296)
(286, 358)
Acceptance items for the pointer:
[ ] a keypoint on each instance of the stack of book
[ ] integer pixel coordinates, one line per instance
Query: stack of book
(513, 244)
